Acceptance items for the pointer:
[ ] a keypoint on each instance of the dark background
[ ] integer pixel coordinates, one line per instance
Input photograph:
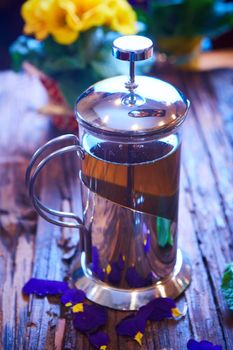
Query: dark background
(11, 25)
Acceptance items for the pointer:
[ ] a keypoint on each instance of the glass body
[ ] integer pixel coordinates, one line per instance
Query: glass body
(130, 192)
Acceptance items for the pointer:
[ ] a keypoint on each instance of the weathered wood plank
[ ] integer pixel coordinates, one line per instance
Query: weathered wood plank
(48, 264)
(208, 170)
(205, 232)
(219, 86)
(21, 132)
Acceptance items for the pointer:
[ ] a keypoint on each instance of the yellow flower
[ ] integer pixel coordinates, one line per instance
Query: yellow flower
(65, 19)
(34, 13)
(124, 18)
(64, 22)
(94, 15)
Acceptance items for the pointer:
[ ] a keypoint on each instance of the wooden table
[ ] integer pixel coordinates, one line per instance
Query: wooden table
(33, 247)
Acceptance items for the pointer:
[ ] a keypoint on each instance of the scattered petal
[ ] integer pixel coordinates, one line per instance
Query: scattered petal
(72, 297)
(192, 345)
(121, 262)
(114, 276)
(108, 269)
(132, 326)
(138, 337)
(147, 243)
(158, 309)
(99, 273)
(134, 280)
(78, 308)
(44, 287)
(99, 340)
(96, 268)
(176, 313)
(114, 270)
(92, 317)
(95, 257)
(202, 345)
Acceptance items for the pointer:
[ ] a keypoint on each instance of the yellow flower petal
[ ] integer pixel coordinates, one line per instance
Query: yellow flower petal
(65, 19)
(71, 15)
(68, 304)
(34, 13)
(108, 269)
(42, 34)
(65, 36)
(124, 18)
(78, 307)
(138, 337)
(95, 17)
(176, 312)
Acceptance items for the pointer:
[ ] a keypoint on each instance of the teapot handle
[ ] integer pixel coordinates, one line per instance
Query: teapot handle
(32, 174)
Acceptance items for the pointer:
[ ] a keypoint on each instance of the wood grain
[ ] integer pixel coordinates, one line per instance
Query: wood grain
(205, 226)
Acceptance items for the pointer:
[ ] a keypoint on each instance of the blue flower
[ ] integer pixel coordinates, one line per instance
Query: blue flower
(44, 287)
(96, 268)
(134, 280)
(72, 297)
(114, 273)
(91, 318)
(99, 340)
(133, 327)
(202, 345)
(156, 310)
(147, 243)
(159, 309)
(121, 262)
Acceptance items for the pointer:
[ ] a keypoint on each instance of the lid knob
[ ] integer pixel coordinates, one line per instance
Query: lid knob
(132, 48)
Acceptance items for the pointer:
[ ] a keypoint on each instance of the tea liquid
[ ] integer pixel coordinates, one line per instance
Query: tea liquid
(143, 177)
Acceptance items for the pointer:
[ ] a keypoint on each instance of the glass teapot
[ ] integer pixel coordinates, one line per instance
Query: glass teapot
(129, 145)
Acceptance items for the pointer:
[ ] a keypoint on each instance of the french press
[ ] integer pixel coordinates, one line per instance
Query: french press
(129, 145)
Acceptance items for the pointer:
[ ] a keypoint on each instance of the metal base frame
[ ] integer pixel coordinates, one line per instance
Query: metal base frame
(132, 299)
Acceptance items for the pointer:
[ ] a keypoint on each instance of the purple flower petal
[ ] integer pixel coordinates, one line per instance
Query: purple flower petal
(132, 326)
(100, 273)
(73, 296)
(95, 256)
(192, 345)
(99, 339)
(202, 345)
(158, 309)
(96, 268)
(114, 276)
(134, 280)
(44, 287)
(92, 317)
(206, 345)
(121, 262)
(147, 243)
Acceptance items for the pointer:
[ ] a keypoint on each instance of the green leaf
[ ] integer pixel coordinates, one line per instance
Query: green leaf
(25, 48)
(72, 84)
(164, 233)
(227, 285)
(188, 18)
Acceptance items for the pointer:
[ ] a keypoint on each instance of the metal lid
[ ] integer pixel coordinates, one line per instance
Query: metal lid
(138, 106)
